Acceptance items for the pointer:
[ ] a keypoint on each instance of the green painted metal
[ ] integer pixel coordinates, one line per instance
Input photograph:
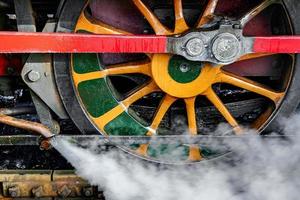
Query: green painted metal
(85, 63)
(96, 97)
(169, 152)
(125, 125)
(183, 70)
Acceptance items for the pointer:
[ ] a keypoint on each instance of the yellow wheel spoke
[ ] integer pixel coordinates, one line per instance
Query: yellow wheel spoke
(254, 55)
(191, 115)
(130, 68)
(216, 101)
(148, 89)
(208, 13)
(257, 10)
(96, 27)
(79, 78)
(249, 85)
(157, 26)
(124, 105)
(194, 154)
(142, 150)
(126, 68)
(180, 23)
(164, 106)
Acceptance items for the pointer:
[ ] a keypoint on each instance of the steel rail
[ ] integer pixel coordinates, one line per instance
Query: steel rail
(33, 140)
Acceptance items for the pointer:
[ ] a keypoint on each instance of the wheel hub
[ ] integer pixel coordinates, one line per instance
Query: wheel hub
(181, 78)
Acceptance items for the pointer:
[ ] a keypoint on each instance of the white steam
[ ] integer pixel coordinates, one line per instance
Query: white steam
(259, 169)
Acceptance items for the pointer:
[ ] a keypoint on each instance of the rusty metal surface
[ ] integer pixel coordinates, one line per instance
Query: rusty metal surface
(26, 125)
(45, 184)
(17, 111)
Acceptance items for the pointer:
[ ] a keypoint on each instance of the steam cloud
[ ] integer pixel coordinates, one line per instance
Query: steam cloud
(259, 169)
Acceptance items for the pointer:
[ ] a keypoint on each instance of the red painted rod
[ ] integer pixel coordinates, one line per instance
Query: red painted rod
(277, 44)
(21, 42)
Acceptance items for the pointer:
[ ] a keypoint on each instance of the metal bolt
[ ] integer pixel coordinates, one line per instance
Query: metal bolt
(195, 47)
(101, 196)
(10, 70)
(37, 191)
(64, 191)
(88, 191)
(226, 47)
(184, 68)
(14, 191)
(34, 76)
(45, 145)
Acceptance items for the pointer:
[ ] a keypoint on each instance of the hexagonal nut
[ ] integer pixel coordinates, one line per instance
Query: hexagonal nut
(37, 191)
(34, 76)
(88, 191)
(101, 196)
(64, 191)
(14, 191)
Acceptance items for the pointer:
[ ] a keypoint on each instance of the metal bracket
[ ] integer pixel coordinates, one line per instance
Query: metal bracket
(223, 46)
(37, 73)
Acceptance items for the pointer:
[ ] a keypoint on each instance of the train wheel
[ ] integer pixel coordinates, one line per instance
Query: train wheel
(148, 95)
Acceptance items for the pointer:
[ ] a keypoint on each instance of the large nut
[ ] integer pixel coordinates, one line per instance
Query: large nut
(37, 191)
(34, 76)
(64, 191)
(14, 191)
(88, 191)
(226, 48)
(195, 47)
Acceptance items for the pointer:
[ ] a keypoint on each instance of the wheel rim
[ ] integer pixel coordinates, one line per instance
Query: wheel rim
(175, 77)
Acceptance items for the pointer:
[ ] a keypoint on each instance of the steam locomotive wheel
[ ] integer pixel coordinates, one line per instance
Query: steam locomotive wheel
(139, 94)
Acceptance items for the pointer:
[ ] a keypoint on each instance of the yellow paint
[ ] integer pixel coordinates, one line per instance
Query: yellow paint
(194, 154)
(191, 115)
(216, 101)
(96, 26)
(194, 151)
(79, 78)
(180, 23)
(164, 106)
(157, 26)
(254, 56)
(102, 121)
(143, 149)
(127, 68)
(159, 29)
(181, 90)
(226, 77)
(208, 13)
(143, 67)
